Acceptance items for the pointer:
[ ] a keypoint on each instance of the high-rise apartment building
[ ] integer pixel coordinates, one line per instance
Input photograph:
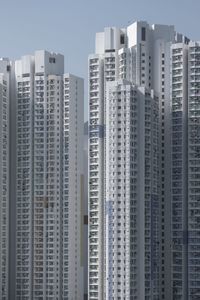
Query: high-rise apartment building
(85, 212)
(73, 189)
(49, 196)
(38, 202)
(140, 54)
(185, 99)
(132, 208)
(193, 206)
(43, 194)
(102, 68)
(179, 97)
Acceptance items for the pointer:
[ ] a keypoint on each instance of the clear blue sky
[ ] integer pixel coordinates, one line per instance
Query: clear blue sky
(69, 26)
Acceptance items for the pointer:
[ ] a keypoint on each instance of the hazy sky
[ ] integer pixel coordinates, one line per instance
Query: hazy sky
(69, 26)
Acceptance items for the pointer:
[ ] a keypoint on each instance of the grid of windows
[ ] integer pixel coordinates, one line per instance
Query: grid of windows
(4, 185)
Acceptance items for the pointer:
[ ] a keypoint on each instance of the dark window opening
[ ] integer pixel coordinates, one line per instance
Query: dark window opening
(52, 60)
(109, 50)
(85, 220)
(122, 39)
(143, 34)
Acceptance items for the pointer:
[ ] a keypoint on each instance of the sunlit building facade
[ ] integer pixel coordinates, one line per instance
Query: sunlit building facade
(49, 143)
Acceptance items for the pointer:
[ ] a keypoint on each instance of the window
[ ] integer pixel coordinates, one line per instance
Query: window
(85, 220)
(143, 34)
(52, 60)
(122, 39)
